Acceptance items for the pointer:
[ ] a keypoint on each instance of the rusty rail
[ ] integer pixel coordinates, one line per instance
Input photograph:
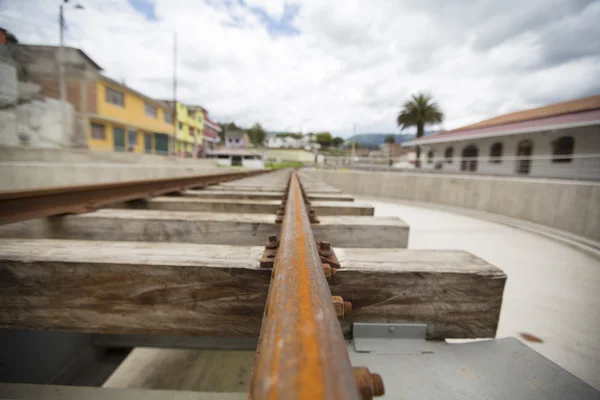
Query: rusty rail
(301, 353)
(21, 205)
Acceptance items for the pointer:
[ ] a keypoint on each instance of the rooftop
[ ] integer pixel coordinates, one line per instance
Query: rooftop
(568, 114)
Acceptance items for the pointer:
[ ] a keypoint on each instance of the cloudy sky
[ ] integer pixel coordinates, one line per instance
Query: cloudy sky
(326, 65)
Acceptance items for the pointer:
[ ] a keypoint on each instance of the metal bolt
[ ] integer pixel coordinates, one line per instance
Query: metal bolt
(369, 384)
(347, 307)
(342, 308)
(325, 245)
(327, 271)
(272, 243)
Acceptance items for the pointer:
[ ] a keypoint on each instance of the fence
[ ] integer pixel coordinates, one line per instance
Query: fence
(573, 166)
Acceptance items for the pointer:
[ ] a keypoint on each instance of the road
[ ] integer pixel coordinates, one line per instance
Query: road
(552, 291)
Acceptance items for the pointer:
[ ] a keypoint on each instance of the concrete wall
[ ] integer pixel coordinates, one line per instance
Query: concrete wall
(584, 165)
(571, 206)
(290, 155)
(24, 154)
(27, 168)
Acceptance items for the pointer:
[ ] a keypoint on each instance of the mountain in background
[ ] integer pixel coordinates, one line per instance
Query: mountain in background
(374, 140)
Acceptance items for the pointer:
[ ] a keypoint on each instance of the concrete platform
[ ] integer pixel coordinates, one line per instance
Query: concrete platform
(322, 208)
(552, 287)
(206, 228)
(251, 195)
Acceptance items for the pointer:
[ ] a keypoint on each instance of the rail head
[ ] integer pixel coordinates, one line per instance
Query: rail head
(302, 353)
(21, 205)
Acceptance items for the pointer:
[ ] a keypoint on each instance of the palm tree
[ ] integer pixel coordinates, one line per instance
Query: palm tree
(417, 112)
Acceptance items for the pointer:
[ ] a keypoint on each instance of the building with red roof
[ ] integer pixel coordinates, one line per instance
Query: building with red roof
(557, 141)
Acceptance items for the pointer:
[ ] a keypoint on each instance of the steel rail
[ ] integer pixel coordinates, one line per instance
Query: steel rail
(21, 205)
(301, 352)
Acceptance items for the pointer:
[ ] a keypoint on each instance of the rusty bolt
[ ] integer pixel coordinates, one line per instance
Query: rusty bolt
(325, 245)
(342, 308)
(327, 271)
(272, 243)
(369, 384)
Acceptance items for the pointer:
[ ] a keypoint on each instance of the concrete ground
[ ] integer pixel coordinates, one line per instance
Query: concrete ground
(552, 292)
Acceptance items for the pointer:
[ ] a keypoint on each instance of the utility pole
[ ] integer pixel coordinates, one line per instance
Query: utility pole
(62, 90)
(175, 122)
(62, 86)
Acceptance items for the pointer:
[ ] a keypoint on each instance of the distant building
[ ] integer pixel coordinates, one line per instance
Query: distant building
(305, 142)
(237, 139)
(557, 141)
(211, 135)
(124, 119)
(393, 150)
(237, 151)
(189, 127)
(109, 116)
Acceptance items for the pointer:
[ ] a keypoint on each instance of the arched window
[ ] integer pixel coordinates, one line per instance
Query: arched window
(469, 158)
(449, 154)
(524, 150)
(562, 149)
(496, 153)
(430, 155)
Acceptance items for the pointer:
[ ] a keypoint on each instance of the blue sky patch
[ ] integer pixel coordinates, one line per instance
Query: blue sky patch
(281, 27)
(144, 7)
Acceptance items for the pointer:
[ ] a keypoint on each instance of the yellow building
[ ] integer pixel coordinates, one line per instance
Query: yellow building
(190, 124)
(126, 120)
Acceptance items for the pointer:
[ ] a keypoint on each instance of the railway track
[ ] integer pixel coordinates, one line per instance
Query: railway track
(234, 257)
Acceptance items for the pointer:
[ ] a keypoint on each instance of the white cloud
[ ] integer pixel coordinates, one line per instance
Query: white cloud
(346, 61)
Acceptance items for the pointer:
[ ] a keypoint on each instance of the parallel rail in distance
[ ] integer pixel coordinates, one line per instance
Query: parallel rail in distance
(21, 205)
(301, 353)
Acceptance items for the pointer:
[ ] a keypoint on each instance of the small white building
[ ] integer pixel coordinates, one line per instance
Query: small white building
(556, 141)
(231, 157)
(289, 142)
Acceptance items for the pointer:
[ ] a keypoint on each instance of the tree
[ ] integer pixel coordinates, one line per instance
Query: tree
(418, 111)
(337, 141)
(257, 134)
(324, 139)
(391, 139)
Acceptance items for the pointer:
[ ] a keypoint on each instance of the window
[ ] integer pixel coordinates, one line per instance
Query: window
(562, 149)
(524, 150)
(430, 155)
(469, 158)
(180, 126)
(150, 110)
(168, 117)
(98, 132)
(449, 154)
(496, 153)
(131, 139)
(115, 97)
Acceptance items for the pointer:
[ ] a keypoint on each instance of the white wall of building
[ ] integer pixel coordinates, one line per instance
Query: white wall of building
(246, 162)
(585, 163)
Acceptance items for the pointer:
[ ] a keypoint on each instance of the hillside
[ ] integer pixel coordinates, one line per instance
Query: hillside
(374, 140)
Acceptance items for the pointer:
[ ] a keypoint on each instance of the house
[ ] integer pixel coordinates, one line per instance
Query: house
(210, 134)
(238, 156)
(40, 65)
(238, 151)
(288, 141)
(557, 141)
(124, 119)
(237, 139)
(189, 121)
(109, 116)
(195, 123)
